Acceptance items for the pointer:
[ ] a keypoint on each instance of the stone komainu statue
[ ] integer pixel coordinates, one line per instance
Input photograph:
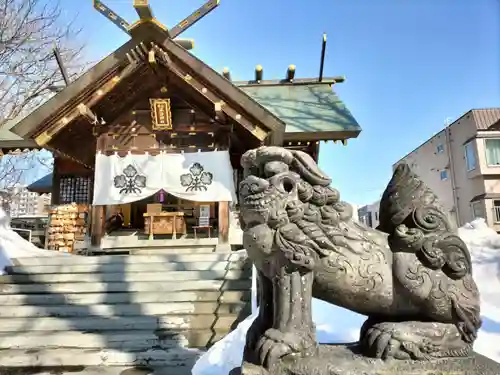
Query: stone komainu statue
(411, 277)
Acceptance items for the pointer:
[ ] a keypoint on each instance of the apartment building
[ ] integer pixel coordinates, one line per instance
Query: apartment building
(368, 214)
(19, 202)
(461, 164)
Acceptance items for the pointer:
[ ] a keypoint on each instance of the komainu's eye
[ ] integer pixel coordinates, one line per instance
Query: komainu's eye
(273, 168)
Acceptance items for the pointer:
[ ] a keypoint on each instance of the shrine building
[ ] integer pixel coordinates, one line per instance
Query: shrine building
(155, 134)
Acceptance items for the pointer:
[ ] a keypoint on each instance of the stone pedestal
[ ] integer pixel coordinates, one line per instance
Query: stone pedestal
(344, 360)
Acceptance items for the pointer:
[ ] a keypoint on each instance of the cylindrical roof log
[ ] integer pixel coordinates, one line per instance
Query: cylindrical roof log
(290, 73)
(227, 74)
(185, 43)
(259, 73)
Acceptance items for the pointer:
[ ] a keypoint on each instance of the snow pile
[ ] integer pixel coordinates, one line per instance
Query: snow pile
(336, 325)
(484, 245)
(12, 245)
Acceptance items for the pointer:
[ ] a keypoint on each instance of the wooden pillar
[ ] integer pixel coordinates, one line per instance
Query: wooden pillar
(98, 224)
(223, 222)
(98, 216)
(56, 181)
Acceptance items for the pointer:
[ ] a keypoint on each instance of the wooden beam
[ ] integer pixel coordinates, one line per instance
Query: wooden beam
(222, 85)
(143, 9)
(220, 107)
(75, 93)
(97, 228)
(194, 17)
(88, 114)
(223, 221)
(200, 128)
(56, 180)
(183, 80)
(295, 82)
(110, 15)
(13, 144)
(43, 138)
(256, 130)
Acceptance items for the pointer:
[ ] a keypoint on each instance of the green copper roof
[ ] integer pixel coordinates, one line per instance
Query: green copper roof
(305, 107)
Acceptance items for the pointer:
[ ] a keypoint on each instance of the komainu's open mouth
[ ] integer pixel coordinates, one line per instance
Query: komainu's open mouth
(261, 201)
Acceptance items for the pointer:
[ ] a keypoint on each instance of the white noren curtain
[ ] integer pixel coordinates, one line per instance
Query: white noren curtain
(200, 176)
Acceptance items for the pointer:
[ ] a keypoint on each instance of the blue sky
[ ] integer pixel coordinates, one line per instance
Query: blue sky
(410, 64)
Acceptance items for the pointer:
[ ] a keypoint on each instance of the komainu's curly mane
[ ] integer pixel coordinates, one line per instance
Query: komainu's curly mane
(415, 221)
(316, 220)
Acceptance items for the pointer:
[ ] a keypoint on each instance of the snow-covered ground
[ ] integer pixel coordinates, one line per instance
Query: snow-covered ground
(12, 245)
(335, 324)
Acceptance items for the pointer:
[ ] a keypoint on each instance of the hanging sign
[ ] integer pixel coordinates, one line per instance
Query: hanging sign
(161, 115)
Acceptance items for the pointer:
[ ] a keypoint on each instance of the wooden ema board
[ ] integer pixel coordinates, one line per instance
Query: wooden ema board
(67, 225)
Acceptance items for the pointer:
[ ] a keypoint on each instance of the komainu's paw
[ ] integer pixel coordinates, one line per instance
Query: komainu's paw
(412, 340)
(274, 345)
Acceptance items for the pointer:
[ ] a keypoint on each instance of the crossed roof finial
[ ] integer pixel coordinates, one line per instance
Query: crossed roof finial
(145, 13)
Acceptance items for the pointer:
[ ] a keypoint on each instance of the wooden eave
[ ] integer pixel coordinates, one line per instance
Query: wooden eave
(18, 144)
(73, 94)
(322, 136)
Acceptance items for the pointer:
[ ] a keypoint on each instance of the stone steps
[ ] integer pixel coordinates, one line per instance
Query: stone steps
(68, 357)
(157, 309)
(128, 267)
(100, 370)
(107, 310)
(127, 259)
(121, 323)
(128, 277)
(135, 244)
(117, 340)
(123, 287)
(127, 297)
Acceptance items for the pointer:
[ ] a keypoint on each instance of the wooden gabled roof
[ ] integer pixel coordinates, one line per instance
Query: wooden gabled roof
(150, 43)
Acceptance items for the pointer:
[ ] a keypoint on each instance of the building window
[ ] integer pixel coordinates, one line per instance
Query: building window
(477, 209)
(75, 190)
(440, 148)
(496, 211)
(444, 174)
(492, 152)
(470, 156)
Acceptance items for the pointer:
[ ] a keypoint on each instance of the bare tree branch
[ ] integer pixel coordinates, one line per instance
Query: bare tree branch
(29, 31)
